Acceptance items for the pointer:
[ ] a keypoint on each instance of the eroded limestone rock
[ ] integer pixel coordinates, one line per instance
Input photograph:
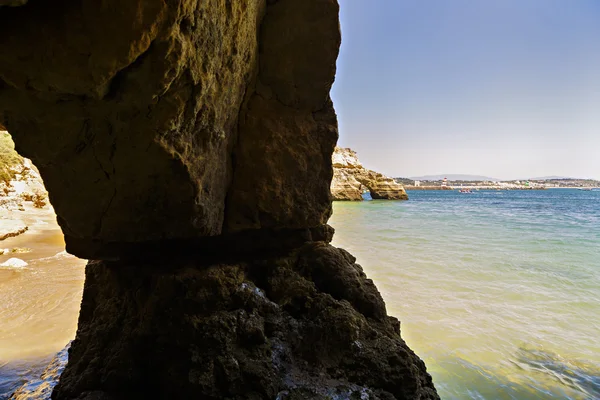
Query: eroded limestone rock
(186, 145)
(161, 113)
(138, 117)
(307, 325)
(350, 177)
(11, 228)
(288, 129)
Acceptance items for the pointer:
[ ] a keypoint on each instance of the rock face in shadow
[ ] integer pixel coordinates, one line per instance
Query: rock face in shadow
(187, 149)
(12, 3)
(350, 177)
(288, 128)
(307, 325)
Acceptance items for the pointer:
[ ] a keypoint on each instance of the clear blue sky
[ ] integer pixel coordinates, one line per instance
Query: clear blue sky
(504, 88)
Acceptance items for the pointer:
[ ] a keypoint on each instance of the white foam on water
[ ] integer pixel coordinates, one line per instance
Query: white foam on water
(14, 263)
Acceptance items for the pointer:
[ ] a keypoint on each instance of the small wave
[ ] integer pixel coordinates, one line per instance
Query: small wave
(14, 263)
(579, 376)
(57, 256)
(61, 254)
(41, 387)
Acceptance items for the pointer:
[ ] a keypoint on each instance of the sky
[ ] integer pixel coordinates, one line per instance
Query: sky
(503, 88)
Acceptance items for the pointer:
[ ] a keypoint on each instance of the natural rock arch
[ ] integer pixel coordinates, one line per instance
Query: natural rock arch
(186, 147)
(350, 177)
(380, 186)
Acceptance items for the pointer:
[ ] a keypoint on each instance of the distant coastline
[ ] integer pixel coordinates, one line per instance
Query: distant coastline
(475, 188)
(527, 184)
(406, 187)
(595, 188)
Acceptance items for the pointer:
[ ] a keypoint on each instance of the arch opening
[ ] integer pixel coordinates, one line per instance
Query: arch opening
(40, 284)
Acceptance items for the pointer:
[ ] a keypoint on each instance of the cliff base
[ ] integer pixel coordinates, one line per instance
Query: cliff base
(304, 325)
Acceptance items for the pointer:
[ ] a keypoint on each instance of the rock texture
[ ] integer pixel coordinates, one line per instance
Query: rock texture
(10, 229)
(21, 189)
(307, 325)
(350, 177)
(163, 114)
(186, 147)
(23, 186)
(12, 3)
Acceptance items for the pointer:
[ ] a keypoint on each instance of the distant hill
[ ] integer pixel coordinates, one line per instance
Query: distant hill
(547, 178)
(454, 177)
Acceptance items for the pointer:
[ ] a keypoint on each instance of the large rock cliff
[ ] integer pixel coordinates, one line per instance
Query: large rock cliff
(350, 177)
(21, 191)
(20, 181)
(186, 147)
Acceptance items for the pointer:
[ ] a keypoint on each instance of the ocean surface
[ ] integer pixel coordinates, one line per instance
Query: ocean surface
(39, 302)
(499, 292)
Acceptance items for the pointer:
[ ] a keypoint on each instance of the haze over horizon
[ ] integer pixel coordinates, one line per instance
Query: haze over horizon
(507, 89)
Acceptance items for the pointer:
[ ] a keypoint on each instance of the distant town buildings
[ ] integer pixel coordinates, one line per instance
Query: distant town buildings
(501, 185)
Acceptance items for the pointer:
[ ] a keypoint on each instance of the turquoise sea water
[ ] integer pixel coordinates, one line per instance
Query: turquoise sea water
(498, 291)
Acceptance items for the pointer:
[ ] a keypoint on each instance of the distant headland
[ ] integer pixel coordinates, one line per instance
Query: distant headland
(351, 179)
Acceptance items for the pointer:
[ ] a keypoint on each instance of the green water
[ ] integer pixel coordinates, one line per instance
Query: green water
(499, 292)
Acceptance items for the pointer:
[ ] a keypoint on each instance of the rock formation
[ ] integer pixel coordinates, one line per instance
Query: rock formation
(10, 229)
(20, 181)
(186, 148)
(350, 177)
(21, 188)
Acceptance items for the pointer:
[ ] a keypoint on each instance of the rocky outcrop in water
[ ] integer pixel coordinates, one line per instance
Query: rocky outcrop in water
(11, 228)
(307, 325)
(187, 149)
(350, 177)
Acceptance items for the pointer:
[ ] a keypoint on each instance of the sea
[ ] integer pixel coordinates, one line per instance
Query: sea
(497, 291)
(39, 302)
